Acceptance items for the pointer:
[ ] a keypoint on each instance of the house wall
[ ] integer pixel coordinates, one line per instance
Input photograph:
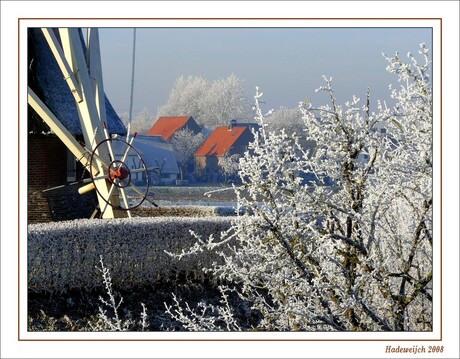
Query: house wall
(200, 167)
(46, 168)
(47, 161)
(207, 168)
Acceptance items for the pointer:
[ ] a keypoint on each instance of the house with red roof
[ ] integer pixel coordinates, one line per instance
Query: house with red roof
(166, 126)
(227, 140)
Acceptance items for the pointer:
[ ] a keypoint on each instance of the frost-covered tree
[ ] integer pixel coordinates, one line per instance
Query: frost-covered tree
(229, 165)
(226, 101)
(185, 143)
(210, 103)
(352, 256)
(140, 123)
(187, 98)
(289, 119)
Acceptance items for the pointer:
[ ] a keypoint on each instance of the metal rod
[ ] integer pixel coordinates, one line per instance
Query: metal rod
(132, 79)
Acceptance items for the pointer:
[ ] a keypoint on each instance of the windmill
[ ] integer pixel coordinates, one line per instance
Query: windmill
(103, 156)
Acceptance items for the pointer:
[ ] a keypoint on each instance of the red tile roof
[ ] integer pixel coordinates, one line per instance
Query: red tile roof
(166, 127)
(220, 141)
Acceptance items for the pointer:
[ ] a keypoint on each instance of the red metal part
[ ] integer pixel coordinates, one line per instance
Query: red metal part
(120, 173)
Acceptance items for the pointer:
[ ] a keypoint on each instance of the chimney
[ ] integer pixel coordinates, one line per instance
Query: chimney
(231, 124)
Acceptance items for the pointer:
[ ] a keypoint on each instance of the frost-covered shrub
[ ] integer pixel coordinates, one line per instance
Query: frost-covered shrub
(112, 321)
(64, 255)
(353, 253)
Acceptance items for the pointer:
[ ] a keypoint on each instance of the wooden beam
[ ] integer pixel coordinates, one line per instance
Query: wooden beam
(90, 120)
(66, 70)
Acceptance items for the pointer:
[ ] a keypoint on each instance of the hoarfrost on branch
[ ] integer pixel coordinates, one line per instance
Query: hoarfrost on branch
(337, 236)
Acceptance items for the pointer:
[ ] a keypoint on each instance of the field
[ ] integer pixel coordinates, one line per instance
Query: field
(194, 195)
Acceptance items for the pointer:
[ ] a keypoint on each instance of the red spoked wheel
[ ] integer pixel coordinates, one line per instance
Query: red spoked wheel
(124, 170)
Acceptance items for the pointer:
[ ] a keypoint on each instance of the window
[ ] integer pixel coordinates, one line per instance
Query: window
(71, 167)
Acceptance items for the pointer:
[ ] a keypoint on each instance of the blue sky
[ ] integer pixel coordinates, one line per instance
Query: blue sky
(286, 63)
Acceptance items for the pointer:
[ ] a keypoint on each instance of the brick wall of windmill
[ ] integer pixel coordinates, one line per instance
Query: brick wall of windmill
(46, 168)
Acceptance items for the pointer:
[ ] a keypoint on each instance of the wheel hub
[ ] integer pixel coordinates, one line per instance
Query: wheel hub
(119, 174)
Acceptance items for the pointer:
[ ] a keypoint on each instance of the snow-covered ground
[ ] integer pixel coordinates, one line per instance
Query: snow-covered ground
(192, 195)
